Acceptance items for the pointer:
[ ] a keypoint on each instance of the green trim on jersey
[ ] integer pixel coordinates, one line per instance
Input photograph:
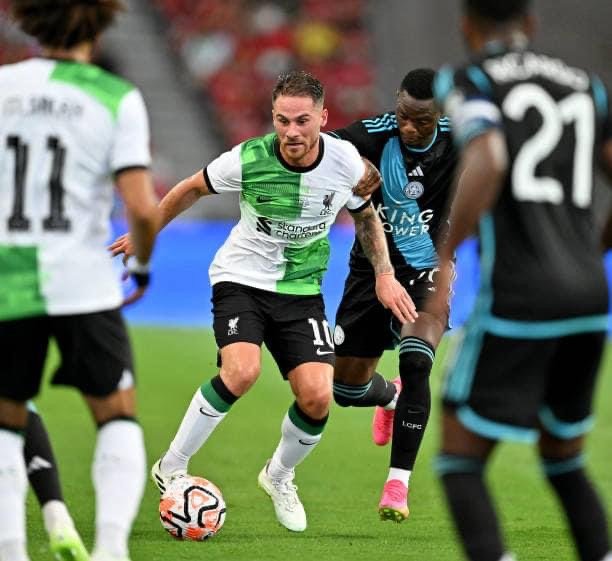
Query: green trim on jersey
(305, 268)
(270, 189)
(105, 87)
(20, 294)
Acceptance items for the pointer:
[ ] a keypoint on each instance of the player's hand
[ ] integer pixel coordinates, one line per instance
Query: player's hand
(122, 246)
(140, 274)
(393, 295)
(370, 181)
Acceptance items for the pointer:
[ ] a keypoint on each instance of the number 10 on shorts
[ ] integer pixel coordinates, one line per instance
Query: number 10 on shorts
(316, 331)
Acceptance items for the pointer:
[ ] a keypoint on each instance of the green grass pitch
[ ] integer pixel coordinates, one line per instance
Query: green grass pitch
(339, 483)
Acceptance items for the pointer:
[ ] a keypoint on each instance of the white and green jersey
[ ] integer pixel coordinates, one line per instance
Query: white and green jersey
(65, 129)
(281, 242)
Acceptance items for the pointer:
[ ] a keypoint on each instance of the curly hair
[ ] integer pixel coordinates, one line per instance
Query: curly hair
(64, 23)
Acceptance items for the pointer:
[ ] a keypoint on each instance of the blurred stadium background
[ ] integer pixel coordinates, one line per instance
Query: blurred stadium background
(206, 68)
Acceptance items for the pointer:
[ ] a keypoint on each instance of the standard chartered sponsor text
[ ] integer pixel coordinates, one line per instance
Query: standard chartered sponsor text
(290, 231)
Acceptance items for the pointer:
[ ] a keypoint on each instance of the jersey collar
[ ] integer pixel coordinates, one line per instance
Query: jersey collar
(299, 169)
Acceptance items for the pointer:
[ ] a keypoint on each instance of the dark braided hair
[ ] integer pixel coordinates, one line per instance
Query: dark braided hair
(64, 23)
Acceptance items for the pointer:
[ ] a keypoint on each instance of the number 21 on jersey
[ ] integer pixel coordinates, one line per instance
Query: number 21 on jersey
(577, 109)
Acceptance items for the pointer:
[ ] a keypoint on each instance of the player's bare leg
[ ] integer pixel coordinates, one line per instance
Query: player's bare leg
(301, 429)
(240, 368)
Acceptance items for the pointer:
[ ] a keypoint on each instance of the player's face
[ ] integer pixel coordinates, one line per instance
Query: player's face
(417, 119)
(298, 122)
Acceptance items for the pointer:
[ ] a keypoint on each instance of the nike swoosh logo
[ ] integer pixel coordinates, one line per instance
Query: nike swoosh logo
(306, 443)
(321, 353)
(207, 414)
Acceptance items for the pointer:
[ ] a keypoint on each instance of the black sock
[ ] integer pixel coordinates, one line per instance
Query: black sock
(582, 505)
(40, 461)
(414, 403)
(377, 391)
(471, 507)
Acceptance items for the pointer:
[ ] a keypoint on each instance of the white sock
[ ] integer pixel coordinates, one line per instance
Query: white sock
(198, 423)
(608, 557)
(56, 515)
(510, 557)
(119, 476)
(13, 488)
(295, 444)
(13, 551)
(402, 474)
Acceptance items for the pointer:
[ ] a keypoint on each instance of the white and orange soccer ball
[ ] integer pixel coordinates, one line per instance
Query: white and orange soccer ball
(192, 508)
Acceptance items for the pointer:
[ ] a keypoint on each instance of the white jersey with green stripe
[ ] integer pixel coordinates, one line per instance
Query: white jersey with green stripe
(65, 129)
(281, 242)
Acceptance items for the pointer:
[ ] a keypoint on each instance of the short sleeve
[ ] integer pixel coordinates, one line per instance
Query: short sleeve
(357, 169)
(466, 97)
(131, 147)
(224, 173)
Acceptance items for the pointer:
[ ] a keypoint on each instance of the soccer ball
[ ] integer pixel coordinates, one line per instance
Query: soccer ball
(192, 508)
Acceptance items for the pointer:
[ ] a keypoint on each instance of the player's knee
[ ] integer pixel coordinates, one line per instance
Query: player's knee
(552, 447)
(316, 402)
(240, 378)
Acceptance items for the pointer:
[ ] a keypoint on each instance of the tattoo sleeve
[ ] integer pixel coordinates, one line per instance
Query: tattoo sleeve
(370, 233)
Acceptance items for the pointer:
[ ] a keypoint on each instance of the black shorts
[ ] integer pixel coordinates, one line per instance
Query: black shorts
(294, 328)
(94, 348)
(507, 388)
(364, 328)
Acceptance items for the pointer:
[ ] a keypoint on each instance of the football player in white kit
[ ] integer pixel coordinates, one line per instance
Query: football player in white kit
(68, 129)
(266, 279)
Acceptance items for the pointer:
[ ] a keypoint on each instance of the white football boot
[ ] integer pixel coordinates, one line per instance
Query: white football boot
(162, 480)
(287, 505)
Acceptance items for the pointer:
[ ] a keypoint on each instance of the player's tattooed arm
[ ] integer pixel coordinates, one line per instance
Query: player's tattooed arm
(370, 181)
(389, 291)
(370, 233)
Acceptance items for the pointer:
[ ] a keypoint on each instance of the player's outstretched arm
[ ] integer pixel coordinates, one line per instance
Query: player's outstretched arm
(390, 292)
(181, 197)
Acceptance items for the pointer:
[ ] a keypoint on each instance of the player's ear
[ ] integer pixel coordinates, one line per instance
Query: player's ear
(324, 115)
